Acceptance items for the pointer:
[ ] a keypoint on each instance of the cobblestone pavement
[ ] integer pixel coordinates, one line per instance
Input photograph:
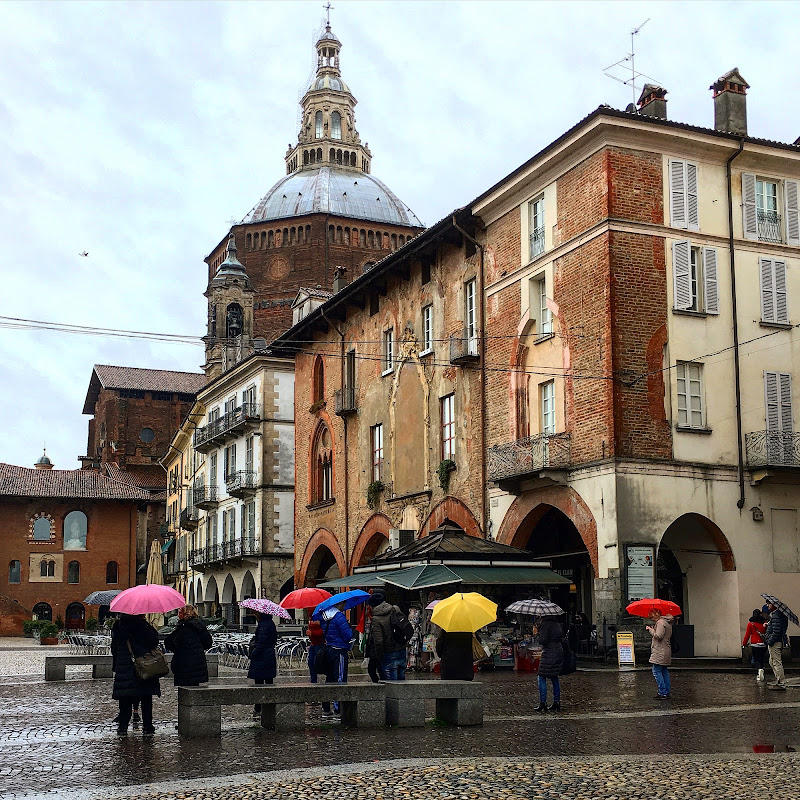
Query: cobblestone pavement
(56, 737)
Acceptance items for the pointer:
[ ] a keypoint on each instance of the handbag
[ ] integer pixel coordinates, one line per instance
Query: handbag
(150, 665)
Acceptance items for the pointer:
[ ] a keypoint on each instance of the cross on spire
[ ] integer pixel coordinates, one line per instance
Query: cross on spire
(328, 10)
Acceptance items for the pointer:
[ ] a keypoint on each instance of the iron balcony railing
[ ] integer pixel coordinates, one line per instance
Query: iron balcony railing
(228, 424)
(190, 517)
(205, 496)
(769, 226)
(528, 455)
(242, 482)
(346, 400)
(537, 242)
(463, 349)
(772, 449)
(224, 551)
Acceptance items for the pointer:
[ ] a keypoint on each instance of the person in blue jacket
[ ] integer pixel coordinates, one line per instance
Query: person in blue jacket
(338, 638)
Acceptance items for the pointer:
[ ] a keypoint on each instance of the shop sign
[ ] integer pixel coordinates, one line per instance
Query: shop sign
(640, 568)
(625, 654)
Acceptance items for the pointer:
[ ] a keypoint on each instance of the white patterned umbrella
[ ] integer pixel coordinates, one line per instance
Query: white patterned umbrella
(536, 608)
(782, 607)
(264, 606)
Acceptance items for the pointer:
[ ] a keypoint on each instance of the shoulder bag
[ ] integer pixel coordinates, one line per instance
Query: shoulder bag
(150, 665)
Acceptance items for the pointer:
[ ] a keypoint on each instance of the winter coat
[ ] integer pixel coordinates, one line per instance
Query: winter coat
(337, 632)
(776, 628)
(754, 634)
(263, 664)
(455, 650)
(381, 640)
(552, 660)
(143, 637)
(660, 647)
(189, 642)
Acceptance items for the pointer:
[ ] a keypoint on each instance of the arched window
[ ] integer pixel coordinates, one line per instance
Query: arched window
(14, 572)
(371, 238)
(308, 234)
(319, 154)
(234, 321)
(248, 241)
(42, 528)
(339, 234)
(112, 572)
(318, 125)
(362, 238)
(285, 238)
(305, 158)
(43, 611)
(331, 234)
(47, 568)
(270, 239)
(336, 125)
(313, 157)
(318, 378)
(74, 572)
(322, 483)
(332, 155)
(75, 617)
(394, 241)
(75, 531)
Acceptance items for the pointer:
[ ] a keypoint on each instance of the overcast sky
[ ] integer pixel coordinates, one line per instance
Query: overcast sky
(137, 130)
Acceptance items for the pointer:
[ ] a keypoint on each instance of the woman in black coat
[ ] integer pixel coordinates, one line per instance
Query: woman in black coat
(551, 662)
(189, 642)
(263, 663)
(455, 650)
(142, 637)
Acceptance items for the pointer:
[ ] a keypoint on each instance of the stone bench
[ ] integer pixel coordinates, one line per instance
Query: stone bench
(55, 667)
(457, 702)
(362, 705)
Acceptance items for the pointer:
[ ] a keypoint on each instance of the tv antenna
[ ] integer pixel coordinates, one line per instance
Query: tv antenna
(628, 64)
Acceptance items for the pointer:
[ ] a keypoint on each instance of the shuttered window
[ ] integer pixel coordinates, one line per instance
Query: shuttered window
(749, 216)
(683, 204)
(792, 198)
(778, 399)
(774, 305)
(694, 275)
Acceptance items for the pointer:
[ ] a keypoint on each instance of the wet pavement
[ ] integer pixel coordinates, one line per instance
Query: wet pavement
(57, 737)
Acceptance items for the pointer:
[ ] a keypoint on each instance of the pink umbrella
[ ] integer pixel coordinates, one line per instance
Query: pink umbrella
(264, 606)
(151, 598)
(432, 604)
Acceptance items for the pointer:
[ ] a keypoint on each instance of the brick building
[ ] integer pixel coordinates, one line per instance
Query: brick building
(66, 533)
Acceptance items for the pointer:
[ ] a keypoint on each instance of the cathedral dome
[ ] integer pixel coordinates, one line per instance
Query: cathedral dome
(332, 190)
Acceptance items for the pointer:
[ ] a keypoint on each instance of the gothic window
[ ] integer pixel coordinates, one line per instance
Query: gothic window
(322, 462)
(319, 154)
(318, 125)
(332, 155)
(43, 529)
(47, 568)
(75, 524)
(234, 321)
(74, 572)
(270, 239)
(336, 125)
(318, 378)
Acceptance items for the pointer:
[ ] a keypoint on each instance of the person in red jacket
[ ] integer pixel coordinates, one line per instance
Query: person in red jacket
(754, 633)
(317, 638)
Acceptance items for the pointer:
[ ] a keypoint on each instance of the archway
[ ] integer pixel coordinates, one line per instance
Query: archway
(75, 617)
(230, 606)
(211, 597)
(453, 510)
(372, 541)
(322, 560)
(190, 598)
(248, 590)
(696, 569)
(43, 611)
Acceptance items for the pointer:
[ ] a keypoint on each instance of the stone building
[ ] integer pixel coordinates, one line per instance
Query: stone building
(66, 533)
(328, 210)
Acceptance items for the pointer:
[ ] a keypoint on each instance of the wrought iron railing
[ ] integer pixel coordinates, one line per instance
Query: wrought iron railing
(190, 517)
(246, 412)
(346, 400)
(537, 242)
(514, 459)
(223, 551)
(772, 449)
(205, 495)
(242, 480)
(769, 226)
(463, 348)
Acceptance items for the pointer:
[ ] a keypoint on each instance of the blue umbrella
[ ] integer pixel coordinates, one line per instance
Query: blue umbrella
(351, 599)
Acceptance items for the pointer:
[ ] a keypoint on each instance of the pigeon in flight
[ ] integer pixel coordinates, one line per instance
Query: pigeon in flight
(85, 254)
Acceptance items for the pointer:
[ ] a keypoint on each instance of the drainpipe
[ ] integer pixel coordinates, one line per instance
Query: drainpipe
(736, 368)
(344, 443)
(482, 346)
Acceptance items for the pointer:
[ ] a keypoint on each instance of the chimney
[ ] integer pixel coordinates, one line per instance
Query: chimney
(339, 279)
(653, 101)
(730, 103)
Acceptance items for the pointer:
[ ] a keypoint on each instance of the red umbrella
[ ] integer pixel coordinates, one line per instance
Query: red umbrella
(642, 608)
(305, 598)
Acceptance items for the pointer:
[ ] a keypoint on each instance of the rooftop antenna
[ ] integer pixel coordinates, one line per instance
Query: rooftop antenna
(628, 64)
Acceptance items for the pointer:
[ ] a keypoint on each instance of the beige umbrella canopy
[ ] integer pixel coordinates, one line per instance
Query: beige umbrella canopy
(155, 574)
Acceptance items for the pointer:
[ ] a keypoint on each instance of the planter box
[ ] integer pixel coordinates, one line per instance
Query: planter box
(54, 640)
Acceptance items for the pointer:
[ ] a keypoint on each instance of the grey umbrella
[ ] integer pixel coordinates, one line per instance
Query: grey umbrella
(102, 598)
(536, 608)
(782, 607)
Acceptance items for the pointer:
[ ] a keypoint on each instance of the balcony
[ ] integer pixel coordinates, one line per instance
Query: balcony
(242, 483)
(228, 426)
(229, 550)
(464, 349)
(190, 518)
(769, 226)
(771, 453)
(346, 401)
(206, 497)
(536, 458)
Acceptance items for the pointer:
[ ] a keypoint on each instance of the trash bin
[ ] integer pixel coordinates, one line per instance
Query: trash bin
(684, 636)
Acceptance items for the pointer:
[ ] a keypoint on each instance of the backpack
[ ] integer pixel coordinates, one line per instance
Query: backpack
(402, 629)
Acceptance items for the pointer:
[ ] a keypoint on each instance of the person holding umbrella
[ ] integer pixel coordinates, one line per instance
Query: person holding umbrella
(189, 642)
(779, 615)
(551, 635)
(263, 661)
(459, 616)
(661, 650)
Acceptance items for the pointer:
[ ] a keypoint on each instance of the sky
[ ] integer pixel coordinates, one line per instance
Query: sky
(137, 131)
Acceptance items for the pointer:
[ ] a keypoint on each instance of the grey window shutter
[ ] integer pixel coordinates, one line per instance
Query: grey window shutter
(681, 272)
(781, 304)
(749, 220)
(767, 290)
(792, 192)
(677, 194)
(785, 388)
(710, 280)
(692, 212)
(772, 401)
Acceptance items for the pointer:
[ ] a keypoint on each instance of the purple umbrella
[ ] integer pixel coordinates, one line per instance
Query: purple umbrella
(264, 606)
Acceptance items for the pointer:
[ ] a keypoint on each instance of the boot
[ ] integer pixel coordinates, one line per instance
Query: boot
(556, 706)
(542, 707)
(122, 731)
(136, 718)
(760, 675)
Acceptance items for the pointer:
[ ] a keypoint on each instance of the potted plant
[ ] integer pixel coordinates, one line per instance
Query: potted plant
(91, 624)
(48, 633)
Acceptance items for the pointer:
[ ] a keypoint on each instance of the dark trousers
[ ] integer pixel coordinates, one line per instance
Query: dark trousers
(267, 682)
(375, 671)
(759, 656)
(337, 673)
(126, 705)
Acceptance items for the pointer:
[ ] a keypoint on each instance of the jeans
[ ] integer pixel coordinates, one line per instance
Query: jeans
(543, 688)
(312, 655)
(393, 665)
(776, 662)
(661, 674)
(337, 673)
(126, 705)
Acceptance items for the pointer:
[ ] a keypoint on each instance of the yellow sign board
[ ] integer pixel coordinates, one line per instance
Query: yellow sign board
(625, 653)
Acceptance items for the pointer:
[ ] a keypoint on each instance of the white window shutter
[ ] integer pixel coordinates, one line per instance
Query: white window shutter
(781, 304)
(792, 192)
(772, 401)
(710, 280)
(767, 290)
(692, 212)
(750, 219)
(677, 194)
(681, 273)
(785, 387)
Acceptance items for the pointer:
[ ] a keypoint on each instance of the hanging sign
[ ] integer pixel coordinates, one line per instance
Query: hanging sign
(625, 654)
(640, 568)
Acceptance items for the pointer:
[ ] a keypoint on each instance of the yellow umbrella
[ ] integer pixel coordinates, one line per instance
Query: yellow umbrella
(155, 574)
(464, 612)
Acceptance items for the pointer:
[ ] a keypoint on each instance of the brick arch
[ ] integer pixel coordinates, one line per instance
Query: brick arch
(453, 509)
(366, 543)
(720, 540)
(528, 509)
(321, 538)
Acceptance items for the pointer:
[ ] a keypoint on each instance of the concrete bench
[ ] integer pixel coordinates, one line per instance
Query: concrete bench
(457, 702)
(362, 705)
(55, 666)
